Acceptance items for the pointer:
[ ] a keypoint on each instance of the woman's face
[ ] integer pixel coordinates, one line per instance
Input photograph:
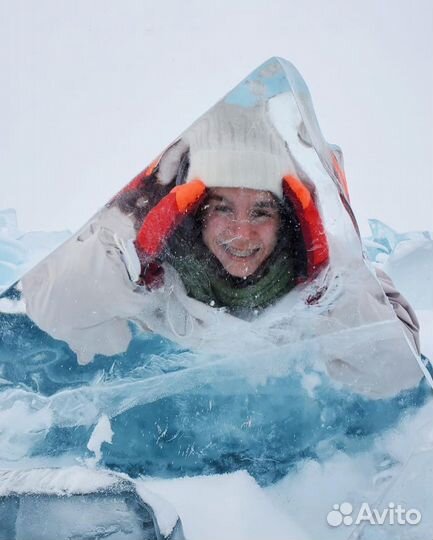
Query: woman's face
(241, 228)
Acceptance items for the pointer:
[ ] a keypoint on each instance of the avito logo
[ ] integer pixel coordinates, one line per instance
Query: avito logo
(343, 514)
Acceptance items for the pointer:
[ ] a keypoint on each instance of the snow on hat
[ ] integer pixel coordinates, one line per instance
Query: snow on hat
(234, 146)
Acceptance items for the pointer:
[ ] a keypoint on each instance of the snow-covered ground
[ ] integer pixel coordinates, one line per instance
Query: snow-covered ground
(398, 469)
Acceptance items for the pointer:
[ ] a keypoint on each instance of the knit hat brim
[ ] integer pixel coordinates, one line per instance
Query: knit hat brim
(234, 146)
(241, 169)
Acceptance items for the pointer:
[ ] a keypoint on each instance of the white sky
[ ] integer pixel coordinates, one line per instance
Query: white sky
(92, 90)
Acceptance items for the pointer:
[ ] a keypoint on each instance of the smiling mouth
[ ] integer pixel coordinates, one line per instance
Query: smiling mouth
(241, 253)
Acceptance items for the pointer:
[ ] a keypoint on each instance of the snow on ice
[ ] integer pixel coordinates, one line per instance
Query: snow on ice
(380, 460)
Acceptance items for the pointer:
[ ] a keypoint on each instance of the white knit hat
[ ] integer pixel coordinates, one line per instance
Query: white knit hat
(234, 146)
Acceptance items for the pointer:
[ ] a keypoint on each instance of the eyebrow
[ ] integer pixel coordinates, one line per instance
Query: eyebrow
(213, 197)
(266, 204)
(260, 204)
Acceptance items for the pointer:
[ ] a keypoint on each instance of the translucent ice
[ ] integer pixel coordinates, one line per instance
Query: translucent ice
(388, 238)
(212, 352)
(151, 257)
(133, 319)
(76, 502)
(175, 413)
(18, 251)
(402, 256)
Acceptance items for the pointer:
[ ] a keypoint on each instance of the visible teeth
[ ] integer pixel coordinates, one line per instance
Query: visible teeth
(241, 253)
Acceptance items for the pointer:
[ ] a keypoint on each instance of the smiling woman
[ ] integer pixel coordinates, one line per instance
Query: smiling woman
(240, 228)
(245, 253)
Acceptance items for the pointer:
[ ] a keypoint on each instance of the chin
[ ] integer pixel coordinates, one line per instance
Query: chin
(241, 272)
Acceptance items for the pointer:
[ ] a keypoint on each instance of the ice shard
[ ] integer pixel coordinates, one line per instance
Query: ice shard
(219, 309)
(144, 258)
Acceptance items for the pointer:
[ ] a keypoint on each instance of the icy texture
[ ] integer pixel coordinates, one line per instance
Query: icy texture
(63, 481)
(263, 135)
(398, 469)
(402, 255)
(206, 393)
(80, 501)
(101, 434)
(18, 251)
(301, 424)
(79, 517)
(175, 413)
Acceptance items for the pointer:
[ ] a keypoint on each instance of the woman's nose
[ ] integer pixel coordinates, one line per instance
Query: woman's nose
(242, 227)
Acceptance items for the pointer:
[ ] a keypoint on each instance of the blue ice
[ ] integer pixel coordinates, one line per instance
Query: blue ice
(176, 413)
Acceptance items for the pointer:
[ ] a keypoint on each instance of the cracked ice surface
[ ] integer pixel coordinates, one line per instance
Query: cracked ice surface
(311, 442)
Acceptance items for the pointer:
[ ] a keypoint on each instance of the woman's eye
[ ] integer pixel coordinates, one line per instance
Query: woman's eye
(222, 208)
(261, 214)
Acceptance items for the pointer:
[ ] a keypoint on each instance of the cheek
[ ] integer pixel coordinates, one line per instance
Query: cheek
(213, 228)
(269, 236)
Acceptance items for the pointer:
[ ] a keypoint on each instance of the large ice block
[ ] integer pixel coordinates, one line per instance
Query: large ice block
(219, 310)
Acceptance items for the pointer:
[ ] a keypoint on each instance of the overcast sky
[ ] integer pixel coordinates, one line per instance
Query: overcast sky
(92, 90)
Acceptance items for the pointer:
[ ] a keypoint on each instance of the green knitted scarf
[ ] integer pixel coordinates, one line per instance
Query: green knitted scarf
(206, 280)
